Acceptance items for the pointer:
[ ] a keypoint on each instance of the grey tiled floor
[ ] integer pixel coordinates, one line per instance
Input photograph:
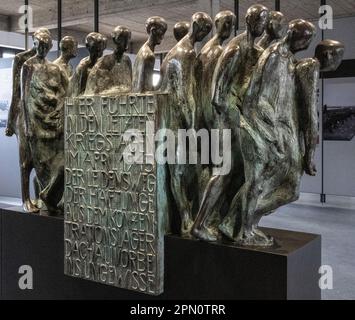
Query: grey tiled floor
(337, 227)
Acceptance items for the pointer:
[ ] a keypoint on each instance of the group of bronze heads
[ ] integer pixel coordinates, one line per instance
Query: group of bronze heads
(257, 88)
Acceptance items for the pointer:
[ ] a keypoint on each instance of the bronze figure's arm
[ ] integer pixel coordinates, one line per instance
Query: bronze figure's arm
(26, 76)
(307, 72)
(129, 78)
(16, 96)
(222, 79)
(138, 78)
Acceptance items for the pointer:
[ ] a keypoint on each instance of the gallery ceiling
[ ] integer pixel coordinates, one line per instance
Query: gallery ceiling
(78, 14)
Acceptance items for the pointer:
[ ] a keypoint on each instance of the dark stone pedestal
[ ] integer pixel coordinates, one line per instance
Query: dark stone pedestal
(193, 269)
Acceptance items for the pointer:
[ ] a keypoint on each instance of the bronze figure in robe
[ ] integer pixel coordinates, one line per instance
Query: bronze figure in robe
(270, 132)
(230, 82)
(44, 87)
(16, 125)
(275, 30)
(143, 69)
(178, 79)
(113, 72)
(96, 44)
(69, 50)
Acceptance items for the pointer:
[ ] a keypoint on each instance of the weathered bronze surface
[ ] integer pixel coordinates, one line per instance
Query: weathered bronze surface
(178, 79)
(114, 210)
(269, 135)
(96, 44)
(69, 50)
(328, 57)
(206, 115)
(16, 125)
(143, 69)
(330, 54)
(206, 63)
(275, 30)
(44, 86)
(229, 85)
(113, 72)
(181, 29)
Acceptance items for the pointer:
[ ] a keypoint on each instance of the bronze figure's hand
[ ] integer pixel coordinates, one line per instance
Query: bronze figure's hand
(9, 132)
(310, 167)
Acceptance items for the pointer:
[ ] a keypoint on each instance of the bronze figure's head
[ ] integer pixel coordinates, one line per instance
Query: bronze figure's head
(156, 28)
(41, 30)
(256, 19)
(42, 43)
(225, 22)
(201, 26)
(96, 44)
(121, 37)
(330, 54)
(181, 29)
(69, 47)
(277, 25)
(300, 34)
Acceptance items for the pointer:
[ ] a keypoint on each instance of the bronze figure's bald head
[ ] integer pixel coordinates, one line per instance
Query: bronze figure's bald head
(42, 42)
(96, 44)
(330, 54)
(277, 25)
(69, 46)
(156, 28)
(256, 19)
(181, 29)
(300, 34)
(225, 22)
(201, 26)
(121, 37)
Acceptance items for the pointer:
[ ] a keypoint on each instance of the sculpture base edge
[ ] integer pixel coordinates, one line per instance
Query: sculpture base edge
(194, 269)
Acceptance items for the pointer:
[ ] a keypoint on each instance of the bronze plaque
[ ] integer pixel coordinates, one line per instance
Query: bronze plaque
(113, 217)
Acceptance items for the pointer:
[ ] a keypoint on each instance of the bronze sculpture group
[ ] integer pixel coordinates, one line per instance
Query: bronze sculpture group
(254, 86)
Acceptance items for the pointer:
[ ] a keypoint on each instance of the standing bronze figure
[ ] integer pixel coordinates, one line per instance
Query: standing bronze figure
(16, 125)
(206, 117)
(328, 56)
(69, 50)
(270, 132)
(230, 82)
(181, 29)
(275, 30)
(206, 64)
(96, 44)
(143, 69)
(178, 78)
(44, 86)
(113, 72)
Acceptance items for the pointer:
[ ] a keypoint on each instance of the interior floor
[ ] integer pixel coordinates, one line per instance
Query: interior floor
(335, 221)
